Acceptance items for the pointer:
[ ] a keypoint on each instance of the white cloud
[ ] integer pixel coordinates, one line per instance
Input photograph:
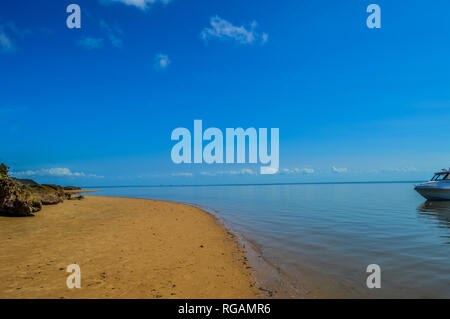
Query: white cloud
(223, 30)
(247, 171)
(209, 173)
(183, 174)
(6, 44)
(16, 30)
(269, 170)
(141, 4)
(244, 171)
(298, 170)
(339, 170)
(113, 34)
(89, 43)
(162, 61)
(264, 38)
(56, 172)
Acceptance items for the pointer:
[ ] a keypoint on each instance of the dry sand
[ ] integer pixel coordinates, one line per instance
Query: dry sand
(126, 248)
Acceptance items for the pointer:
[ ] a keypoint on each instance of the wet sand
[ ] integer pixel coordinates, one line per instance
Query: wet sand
(126, 248)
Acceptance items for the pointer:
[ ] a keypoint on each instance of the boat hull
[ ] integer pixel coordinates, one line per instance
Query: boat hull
(434, 194)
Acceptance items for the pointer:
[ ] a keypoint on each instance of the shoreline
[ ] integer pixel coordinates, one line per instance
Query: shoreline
(165, 250)
(270, 279)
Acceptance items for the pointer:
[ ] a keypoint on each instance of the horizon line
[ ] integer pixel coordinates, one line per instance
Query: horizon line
(256, 184)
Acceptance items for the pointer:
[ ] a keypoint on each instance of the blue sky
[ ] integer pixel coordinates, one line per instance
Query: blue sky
(97, 105)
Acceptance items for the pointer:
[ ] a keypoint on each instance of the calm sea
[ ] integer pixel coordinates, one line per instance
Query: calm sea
(334, 231)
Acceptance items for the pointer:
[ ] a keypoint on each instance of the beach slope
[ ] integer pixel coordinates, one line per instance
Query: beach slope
(126, 248)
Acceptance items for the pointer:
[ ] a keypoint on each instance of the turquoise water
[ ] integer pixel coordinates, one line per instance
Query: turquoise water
(335, 229)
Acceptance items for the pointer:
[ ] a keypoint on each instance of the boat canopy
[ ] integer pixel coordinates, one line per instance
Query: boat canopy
(442, 175)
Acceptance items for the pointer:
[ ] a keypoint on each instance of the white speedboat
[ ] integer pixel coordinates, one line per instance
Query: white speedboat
(438, 188)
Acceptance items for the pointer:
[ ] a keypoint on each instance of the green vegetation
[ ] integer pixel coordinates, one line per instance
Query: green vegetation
(3, 171)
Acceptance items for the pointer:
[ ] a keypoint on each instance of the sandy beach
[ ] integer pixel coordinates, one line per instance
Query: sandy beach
(126, 248)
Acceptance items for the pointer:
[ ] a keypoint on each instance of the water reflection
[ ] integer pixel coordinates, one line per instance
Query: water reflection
(439, 211)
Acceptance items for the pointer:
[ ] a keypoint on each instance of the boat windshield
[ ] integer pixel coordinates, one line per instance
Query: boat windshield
(441, 177)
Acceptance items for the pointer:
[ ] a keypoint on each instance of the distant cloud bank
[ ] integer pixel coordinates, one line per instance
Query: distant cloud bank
(401, 169)
(183, 174)
(298, 171)
(221, 29)
(338, 170)
(244, 171)
(56, 172)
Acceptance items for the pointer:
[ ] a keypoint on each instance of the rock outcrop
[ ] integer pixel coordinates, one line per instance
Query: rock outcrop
(48, 194)
(70, 196)
(24, 181)
(19, 199)
(16, 200)
(72, 188)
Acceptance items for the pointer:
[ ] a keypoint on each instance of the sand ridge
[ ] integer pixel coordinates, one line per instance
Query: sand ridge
(126, 248)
